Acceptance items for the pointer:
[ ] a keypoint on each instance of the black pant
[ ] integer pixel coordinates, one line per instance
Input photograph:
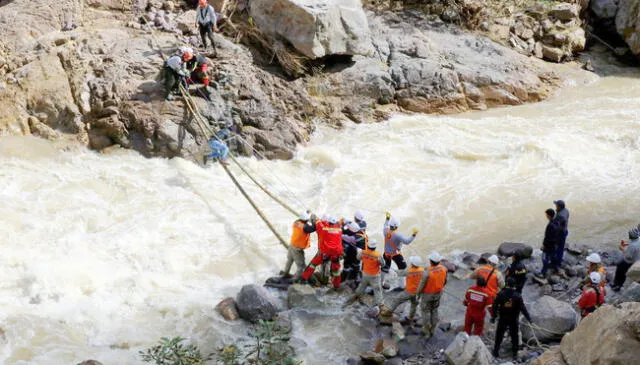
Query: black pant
(171, 80)
(206, 31)
(398, 259)
(621, 273)
(513, 327)
(351, 269)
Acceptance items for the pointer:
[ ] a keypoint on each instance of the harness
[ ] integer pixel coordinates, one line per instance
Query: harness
(395, 248)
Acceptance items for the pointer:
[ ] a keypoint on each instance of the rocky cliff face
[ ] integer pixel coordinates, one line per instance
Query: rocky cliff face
(98, 81)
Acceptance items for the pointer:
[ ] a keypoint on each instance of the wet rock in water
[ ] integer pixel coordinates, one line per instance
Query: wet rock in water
(460, 274)
(451, 267)
(394, 361)
(550, 357)
(628, 23)
(630, 294)
(468, 350)
(508, 249)
(470, 259)
(255, 303)
(305, 296)
(227, 308)
(277, 282)
(634, 272)
(610, 335)
(554, 316)
(386, 347)
(372, 358)
(90, 362)
(283, 319)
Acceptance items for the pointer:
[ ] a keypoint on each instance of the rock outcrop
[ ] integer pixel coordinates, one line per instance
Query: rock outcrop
(628, 23)
(304, 296)
(255, 303)
(634, 272)
(468, 350)
(507, 249)
(228, 309)
(555, 318)
(607, 336)
(630, 294)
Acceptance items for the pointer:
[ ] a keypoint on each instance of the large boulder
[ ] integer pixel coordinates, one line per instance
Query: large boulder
(255, 303)
(185, 22)
(604, 9)
(630, 294)
(316, 28)
(634, 272)
(565, 11)
(552, 319)
(552, 356)
(303, 296)
(610, 335)
(228, 309)
(508, 249)
(628, 23)
(467, 350)
(386, 347)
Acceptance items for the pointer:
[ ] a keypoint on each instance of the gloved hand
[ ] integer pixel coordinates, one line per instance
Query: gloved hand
(388, 215)
(189, 80)
(414, 231)
(492, 320)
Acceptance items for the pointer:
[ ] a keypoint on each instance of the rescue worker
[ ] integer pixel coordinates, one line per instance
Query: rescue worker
(477, 298)
(630, 255)
(494, 281)
(414, 280)
(372, 263)
(175, 72)
(518, 271)
(393, 242)
(330, 250)
(358, 217)
(551, 241)
(198, 67)
(434, 282)
(562, 216)
(353, 238)
(300, 241)
(508, 306)
(207, 23)
(592, 297)
(595, 265)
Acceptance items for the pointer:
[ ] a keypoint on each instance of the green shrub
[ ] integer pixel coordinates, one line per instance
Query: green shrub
(174, 352)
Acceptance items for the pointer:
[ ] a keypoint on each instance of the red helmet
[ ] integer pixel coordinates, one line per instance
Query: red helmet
(187, 56)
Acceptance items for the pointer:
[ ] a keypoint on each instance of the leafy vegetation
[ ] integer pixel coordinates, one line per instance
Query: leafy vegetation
(174, 352)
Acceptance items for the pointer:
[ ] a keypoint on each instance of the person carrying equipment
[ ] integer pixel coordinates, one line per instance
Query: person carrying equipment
(393, 242)
(300, 241)
(517, 271)
(175, 72)
(353, 238)
(330, 234)
(372, 263)
(414, 284)
(493, 278)
(207, 23)
(507, 308)
(434, 281)
(477, 298)
(592, 298)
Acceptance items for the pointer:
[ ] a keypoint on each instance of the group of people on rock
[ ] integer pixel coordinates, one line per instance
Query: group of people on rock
(422, 285)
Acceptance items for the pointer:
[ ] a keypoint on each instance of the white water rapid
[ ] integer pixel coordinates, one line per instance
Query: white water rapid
(101, 255)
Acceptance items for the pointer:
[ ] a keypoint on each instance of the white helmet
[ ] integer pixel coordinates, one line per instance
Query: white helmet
(594, 258)
(353, 227)
(325, 218)
(415, 260)
(595, 277)
(185, 49)
(493, 259)
(358, 215)
(372, 244)
(394, 223)
(304, 216)
(332, 220)
(435, 257)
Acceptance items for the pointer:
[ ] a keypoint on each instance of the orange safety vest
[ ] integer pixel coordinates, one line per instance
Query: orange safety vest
(437, 279)
(492, 282)
(414, 276)
(299, 238)
(603, 274)
(371, 262)
(387, 239)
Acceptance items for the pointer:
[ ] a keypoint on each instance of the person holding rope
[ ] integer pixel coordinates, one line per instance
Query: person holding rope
(353, 239)
(507, 308)
(493, 278)
(207, 23)
(434, 283)
(415, 281)
(393, 242)
(300, 241)
(477, 299)
(592, 298)
(330, 250)
(175, 72)
(372, 263)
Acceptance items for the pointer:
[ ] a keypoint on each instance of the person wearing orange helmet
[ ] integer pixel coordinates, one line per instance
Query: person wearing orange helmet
(207, 23)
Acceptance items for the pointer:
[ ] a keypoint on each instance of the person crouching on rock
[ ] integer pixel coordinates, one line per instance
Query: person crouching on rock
(300, 241)
(415, 281)
(477, 299)
(175, 73)
(507, 308)
(393, 242)
(592, 297)
(198, 67)
(330, 234)
(434, 282)
(372, 263)
(595, 265)
(630, 255)
(207, 23)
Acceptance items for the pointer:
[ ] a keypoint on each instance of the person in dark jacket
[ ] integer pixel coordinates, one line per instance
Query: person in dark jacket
(517, 271)
(562, 217)
(508, 306)
(550, 242)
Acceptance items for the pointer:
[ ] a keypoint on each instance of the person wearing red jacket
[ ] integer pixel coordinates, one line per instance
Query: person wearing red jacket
(477, 299)
(330, 249)
(592, 296)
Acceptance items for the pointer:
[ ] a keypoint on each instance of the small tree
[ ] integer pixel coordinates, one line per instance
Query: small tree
(271, 345)
(174, 352)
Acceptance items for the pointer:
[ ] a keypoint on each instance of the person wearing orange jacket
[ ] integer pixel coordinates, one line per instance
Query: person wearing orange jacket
(491, 275)
(477, 299)
(414, 284)
(434, 282)
(330, 249)
(372, 263)
(592, 298)
(300, 241)
(595, 265)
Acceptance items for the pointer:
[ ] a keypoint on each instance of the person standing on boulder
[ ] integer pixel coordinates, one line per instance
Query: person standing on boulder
(493, 278)
(562, 216)
(207, 23)
(434, 281)
(630, 255)
(592, 298)
(518, 271)
(372, 263)
(477, 299)
(508, 306)
(551, 242)
(300, 241)
(393, 242)
(330, 234)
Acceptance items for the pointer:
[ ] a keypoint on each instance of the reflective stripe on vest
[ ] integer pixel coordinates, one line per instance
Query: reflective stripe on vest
(490, 276)
(414, 276)
(437, 278)
(371, 262)
(299, 238)
(387, 239)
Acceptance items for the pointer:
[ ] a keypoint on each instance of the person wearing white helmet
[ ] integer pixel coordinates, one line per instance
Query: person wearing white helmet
(353, 238)
(592, 297)
(595, 265)
(630, 255)
(300, 241)
(358, 217)
(435, 279)
(393, 242)
(414, 283)
(492, 276)
(329, 250)
(372, 263)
